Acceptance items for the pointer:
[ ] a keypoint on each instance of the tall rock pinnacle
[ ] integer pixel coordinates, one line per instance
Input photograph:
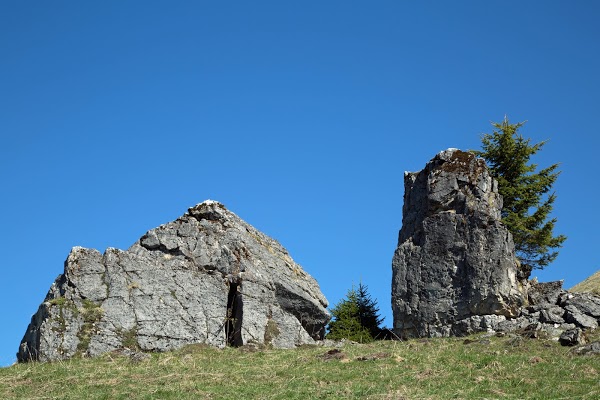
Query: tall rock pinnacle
(455, 259)
(207, 277)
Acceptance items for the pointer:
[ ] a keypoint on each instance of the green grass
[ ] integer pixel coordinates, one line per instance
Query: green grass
(489, 368)
(590, 285)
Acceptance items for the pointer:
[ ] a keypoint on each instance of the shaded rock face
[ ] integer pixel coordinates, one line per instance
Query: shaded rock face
(455, 272)
(455, 259)
(551, 312)
(207, 277)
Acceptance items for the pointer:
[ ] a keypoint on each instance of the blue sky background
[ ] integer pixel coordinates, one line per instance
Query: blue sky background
(301, 117)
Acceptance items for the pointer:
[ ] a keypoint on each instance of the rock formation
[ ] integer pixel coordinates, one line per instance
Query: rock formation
(207, 277)
(455, 271)
(454, 259)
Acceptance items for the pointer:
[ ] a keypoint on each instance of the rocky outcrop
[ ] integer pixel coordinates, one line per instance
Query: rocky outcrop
(550, 312)
(454, 259)
(455, 271)
(207, 277)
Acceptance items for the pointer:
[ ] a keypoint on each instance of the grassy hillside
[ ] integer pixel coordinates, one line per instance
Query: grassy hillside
(591, 285)
(480, 367)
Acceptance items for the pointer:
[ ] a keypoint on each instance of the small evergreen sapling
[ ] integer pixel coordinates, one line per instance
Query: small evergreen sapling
(356, 317)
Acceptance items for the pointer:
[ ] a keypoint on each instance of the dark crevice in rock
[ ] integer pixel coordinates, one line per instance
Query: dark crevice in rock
(524, 272)
(235, 309)
(174, 252)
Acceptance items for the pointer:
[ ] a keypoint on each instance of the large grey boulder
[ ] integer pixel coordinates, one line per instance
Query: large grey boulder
(207, 277)
(455, 259)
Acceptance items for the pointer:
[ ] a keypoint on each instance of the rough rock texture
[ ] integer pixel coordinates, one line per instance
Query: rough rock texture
(560, 315)
(572, 337)
(455, 259)
(207, 277)
(592, 349)
(455, 272)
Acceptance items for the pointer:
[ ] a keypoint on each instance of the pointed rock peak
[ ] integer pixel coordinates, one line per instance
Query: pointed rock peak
(208, 209)
(207, 277)
(209, 204)
(446, 154)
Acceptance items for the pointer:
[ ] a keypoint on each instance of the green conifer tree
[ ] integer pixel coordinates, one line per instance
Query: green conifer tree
(527, 195)
(356, 317)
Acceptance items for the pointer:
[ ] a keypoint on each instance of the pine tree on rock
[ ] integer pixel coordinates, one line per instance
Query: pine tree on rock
(356, 317)
(527, 195)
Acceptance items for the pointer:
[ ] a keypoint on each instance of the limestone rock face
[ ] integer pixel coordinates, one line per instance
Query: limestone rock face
(207, 277)
(455, 259)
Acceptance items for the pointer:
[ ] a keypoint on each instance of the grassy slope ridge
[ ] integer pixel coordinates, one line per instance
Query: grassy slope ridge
(486, 367)
(589, 285)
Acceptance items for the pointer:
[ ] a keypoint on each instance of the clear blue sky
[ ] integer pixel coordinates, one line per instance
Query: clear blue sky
(301, 117)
